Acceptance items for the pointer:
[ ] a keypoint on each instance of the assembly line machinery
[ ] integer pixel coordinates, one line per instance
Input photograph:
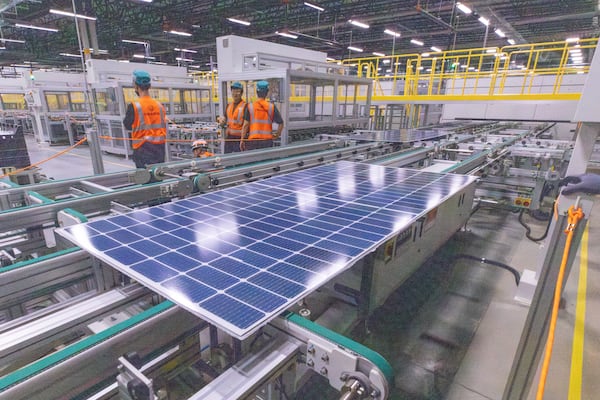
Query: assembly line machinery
(73, 326)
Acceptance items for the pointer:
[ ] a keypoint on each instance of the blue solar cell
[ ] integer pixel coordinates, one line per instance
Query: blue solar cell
(297, 236)
(163, 225)
(104, 243)
(213, 277)
(249, 214)
(144, 230)
(277, 285)
(181, 220)
(273, 251)
(124, 236)
(178, 261)
(309, 263)
(361, 243)
(253, 259)
(340, 248)
(123, 220)
(234, 267)
(199, 253)
(295, 274)
(252, 233)
(219, 246)
(232, 311)
(309, 230)
(185, 234)
(149, 247)
(141, 216)
(154, 270)
(371, 228)
(194, 215)
(169, 241)
(325, 255)
(285, 243)
(371, 236)
(103, 226)
(256, 297)
(159, 212)
(261, 226)
(193, 291)
(238, 240)
(125, 255)
(278, 222)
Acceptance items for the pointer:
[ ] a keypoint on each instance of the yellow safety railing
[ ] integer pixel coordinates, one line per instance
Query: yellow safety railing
(526, 71)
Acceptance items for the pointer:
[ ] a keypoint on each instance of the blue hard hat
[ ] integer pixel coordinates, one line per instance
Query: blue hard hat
(141, 77)
(262, 85)
(237, 85)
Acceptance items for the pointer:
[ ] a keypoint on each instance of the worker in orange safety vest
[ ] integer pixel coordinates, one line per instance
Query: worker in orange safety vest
(236, 120)
(147, 121)
(200, 149)
(262, 116)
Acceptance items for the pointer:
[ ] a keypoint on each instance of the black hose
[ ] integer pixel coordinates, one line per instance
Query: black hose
(484, 260)
(528, 229)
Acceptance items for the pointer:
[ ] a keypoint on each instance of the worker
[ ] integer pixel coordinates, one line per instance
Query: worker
(147, 121)
(200, 149)
(262, 115)
(585, 183)
(236, 119)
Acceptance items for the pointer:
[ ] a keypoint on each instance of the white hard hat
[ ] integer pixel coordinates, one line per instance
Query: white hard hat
(199, 143)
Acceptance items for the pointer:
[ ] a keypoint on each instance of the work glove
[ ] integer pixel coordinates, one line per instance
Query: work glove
(585, 183)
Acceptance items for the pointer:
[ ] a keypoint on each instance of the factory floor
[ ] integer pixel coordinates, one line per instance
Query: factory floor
(452, 330)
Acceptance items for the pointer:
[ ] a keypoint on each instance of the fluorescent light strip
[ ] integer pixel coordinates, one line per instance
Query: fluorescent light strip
(392, 33)
(484, 21)
(287, 35)
(184, 59)
(11, 40)
(572, 40)
(511, 41)
(358, 23)
(239, 21)
(500, 33)
(143, 56)
(180, 33)
(70, 14)
(463, 8)
(436, 49)
(357, 49)
(417, 42)
(185, 50)
(375, 53)
(40, 28)
(316, 7)
(70, 55)
(134, 41)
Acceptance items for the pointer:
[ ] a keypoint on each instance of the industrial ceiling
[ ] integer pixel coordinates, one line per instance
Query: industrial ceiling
(439, 24)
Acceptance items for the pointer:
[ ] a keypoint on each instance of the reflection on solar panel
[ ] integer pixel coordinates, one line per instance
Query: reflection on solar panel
(239, 256)
(401, 135)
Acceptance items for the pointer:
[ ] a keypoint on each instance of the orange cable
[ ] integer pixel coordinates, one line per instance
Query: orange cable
(43, 161)
(575, 215)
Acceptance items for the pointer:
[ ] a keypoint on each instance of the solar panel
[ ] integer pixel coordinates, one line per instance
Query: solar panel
(240, 256)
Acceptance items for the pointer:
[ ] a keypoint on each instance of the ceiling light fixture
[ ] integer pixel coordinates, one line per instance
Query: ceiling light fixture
(134, 41)
(358, 23)
(143, 56)
(484, 21)
(572, 40)
(239, 21)
(185, 50)
(287, 34)
(70, 14)
(436, 49)
(180, 33)
(463, 8)
(499, 32)
(357, 49)
(184, 59)
(312, 5)
(392, 33)
(375, 53)
(12, 40)
(40, 28)
(417, 42)
(69, 55)
(511, 41)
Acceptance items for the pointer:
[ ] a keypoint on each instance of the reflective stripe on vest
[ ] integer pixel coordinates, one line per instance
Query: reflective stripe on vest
(154, 132)
(235, 118)
(261, 120)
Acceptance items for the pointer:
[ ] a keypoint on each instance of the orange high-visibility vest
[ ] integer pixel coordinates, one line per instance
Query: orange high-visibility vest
(235, 118)
(261, 120)
(150, 122)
